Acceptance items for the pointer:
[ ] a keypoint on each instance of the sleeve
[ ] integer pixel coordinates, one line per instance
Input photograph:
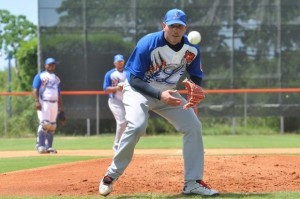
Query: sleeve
(143, 87)
(195, 68)
(107, 80)
(196, 80)
(36, 82)
(138, 64)
(139, 61)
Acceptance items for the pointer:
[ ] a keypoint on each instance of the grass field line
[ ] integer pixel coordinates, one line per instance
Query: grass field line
(109, 153)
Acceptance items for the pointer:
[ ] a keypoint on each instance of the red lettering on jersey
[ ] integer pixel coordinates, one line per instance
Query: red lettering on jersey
(189, 56)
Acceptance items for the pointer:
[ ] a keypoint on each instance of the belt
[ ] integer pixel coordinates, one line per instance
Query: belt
(51, 101)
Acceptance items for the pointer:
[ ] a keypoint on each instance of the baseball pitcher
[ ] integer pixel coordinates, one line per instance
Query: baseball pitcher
(153, 70)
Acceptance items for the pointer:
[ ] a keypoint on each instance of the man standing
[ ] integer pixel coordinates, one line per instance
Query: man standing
(153, 70)
(48, 102)
(113, 84)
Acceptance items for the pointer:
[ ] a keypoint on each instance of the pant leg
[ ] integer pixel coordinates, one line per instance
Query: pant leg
(41, 138)
(41, 133)
(187, 122)
(49, 137)
(137, 119)
(47, 113)
(118, 110)
(53, 117)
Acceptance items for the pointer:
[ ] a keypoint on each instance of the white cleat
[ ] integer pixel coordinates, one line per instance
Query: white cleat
(51, 150)
(198, 187)
(105, 187)
(42, 149)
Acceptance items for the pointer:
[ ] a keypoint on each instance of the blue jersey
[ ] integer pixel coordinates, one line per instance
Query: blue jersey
(112, 78)
(48, 85)
(157, 64)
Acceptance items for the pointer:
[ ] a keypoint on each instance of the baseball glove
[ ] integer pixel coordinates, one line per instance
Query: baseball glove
(195, 94)
(61, 117)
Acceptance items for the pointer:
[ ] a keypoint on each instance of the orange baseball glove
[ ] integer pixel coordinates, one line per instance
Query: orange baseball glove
(195, 94)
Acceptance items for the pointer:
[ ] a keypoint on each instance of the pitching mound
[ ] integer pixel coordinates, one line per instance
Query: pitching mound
(158, 174)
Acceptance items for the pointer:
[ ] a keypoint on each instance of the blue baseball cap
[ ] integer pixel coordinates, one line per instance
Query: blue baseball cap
(175, 16)
(118, 58)
(50, 61)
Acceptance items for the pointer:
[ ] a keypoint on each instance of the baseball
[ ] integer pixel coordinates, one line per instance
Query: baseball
(194, 37)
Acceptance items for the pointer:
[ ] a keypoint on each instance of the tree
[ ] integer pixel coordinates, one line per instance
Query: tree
(27, 59)
(13, 31)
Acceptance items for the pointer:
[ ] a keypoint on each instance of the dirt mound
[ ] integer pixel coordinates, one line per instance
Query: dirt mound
(158, 174)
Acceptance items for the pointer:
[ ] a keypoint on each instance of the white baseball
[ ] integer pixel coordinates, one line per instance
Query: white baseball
(194, 37)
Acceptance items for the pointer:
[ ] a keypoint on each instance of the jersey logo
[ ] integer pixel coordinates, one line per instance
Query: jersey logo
(115, 81)
(189, 56)
(49, 83)
(158, 63)
(167, 73)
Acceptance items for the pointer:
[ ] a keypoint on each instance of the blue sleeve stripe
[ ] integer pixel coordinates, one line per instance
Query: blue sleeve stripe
(107, 80)
(36, 81)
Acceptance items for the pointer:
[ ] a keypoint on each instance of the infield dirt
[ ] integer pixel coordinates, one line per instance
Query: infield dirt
(237, 171)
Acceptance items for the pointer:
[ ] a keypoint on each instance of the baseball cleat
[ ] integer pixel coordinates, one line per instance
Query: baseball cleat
(42, 149)
(51, 150)
(198, 187)
(105, 187)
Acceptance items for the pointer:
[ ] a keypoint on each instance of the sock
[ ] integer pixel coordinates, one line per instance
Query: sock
(49, 137)
(42, 138)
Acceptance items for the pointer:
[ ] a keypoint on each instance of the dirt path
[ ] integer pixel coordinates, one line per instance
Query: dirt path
(158, 171)
(109, 153)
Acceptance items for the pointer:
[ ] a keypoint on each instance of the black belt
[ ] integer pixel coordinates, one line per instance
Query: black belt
(50, 101)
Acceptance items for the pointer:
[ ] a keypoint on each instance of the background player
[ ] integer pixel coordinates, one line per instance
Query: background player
(153, 70)
(113, 84)
(48, 102)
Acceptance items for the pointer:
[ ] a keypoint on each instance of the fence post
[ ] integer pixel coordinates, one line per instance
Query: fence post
(97, 115)
(233, 125)
(88, 126)
(245, 108)
(281, 124)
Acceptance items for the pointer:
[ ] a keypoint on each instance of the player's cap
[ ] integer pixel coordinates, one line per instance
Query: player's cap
(175, 16)
(118, 58)
(50, 61)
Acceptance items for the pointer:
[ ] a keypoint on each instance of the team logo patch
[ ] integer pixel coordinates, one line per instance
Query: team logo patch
(176, 15)
(189, 57)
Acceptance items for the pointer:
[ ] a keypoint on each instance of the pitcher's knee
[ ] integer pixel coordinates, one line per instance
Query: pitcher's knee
(139, 129)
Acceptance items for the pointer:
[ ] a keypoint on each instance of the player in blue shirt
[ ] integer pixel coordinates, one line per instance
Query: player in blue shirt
(153, 70)
(48, 102)
(113, 84)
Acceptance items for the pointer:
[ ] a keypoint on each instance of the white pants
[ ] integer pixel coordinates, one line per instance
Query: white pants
(117, 108)
(48, 113)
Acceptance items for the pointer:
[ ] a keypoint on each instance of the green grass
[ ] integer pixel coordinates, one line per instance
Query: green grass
(159, 142)
(20, 163)
(146, 142)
